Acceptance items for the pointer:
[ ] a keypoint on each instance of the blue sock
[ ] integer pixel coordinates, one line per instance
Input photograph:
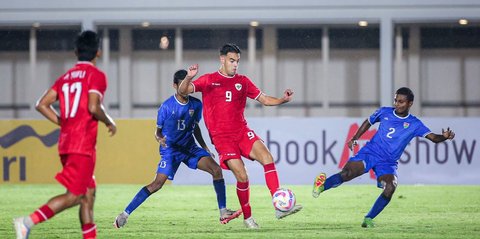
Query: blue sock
(333, 181)
(141, 196)
(219, 186)
(378, 206)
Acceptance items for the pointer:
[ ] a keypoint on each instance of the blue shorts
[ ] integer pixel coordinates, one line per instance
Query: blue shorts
(378, 165)
(171, 159)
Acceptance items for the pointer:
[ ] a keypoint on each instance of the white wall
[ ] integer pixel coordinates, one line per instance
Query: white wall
(447, 77)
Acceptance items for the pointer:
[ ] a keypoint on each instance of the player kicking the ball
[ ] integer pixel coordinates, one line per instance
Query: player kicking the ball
(177, 125)
(397, 128)
(224, 95)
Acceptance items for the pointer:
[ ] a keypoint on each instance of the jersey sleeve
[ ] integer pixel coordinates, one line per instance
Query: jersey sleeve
(375, 117)
(253, 92)
(56, 86)
(98, 84)
(422, 130)
(199, 84)
(199, 110)
(162, 115)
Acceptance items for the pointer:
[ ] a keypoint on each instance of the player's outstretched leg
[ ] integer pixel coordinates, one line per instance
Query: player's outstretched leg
(250, 223)
(227, 215)
(121, 220)
(21, 230)
(279, 214)
(318, 184)
(368, 222)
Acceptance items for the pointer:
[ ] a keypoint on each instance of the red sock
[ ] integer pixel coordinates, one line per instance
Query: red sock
(243, 193)
(271, 177)
(42, 214)
(89, 231)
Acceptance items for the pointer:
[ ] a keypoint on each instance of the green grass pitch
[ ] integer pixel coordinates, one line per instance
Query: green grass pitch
(191, 212)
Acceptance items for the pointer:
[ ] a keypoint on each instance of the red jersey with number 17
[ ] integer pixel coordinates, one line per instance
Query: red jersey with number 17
(224, 99)
(78, 127)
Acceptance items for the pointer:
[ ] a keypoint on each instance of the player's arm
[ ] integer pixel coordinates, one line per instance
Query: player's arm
(95, 107)
(272, 101)
(186, 86)
(437, 138)
(44, 106)
(198, 136)
(353, 141)
(161, 139)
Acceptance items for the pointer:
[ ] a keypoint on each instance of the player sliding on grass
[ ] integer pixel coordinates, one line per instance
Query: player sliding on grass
(397, 128)
(177, 124)
(224, 95)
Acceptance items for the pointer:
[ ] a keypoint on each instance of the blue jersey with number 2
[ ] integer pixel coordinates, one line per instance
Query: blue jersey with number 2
(393, 134)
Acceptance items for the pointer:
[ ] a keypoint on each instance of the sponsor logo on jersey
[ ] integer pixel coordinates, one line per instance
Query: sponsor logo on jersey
(238, 86)
(215, 84)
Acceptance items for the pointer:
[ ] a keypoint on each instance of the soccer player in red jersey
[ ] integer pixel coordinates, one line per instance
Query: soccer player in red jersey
(80, 93)
(224, 95)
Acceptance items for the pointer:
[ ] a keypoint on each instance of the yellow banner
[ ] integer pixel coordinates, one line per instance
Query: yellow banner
(29, 154)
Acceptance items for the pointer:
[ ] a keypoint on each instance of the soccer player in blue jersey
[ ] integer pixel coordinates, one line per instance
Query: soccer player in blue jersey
(397, 128)
(177, 125)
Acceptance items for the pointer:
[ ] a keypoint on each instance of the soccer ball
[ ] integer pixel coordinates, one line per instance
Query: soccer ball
(283, 199)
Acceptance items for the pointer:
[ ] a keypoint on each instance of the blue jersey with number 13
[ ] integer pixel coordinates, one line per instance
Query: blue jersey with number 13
(177, 121)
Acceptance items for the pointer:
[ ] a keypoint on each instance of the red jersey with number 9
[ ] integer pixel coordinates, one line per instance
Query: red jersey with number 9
(224, 99)
(78, 127)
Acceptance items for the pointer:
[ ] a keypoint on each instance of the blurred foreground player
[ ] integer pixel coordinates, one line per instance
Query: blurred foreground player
(80, 93)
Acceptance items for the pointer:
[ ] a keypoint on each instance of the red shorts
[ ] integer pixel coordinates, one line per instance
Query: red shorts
(77, 173)
(235, 146)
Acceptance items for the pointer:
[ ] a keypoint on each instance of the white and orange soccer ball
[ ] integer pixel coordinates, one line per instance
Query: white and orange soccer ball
(283, 199)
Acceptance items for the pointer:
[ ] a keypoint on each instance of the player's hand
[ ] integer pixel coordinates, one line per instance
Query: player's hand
(448, 134)
(287, 95)
(162, 141)
(192, 71)
(112, 128)
(352, 143)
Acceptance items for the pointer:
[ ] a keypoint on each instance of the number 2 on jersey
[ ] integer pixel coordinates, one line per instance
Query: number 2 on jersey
(390, 132)
(68, 89)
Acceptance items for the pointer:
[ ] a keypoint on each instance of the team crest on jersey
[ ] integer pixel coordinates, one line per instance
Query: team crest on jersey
(190, 112)
(238, 86)
(405, 125)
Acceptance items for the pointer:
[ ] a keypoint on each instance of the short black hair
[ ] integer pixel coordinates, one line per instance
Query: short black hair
(179, 76)
(87, 45)
(229, 47)
(407, 92)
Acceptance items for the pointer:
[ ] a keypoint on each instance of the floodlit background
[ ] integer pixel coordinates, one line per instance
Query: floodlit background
(342, 58)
